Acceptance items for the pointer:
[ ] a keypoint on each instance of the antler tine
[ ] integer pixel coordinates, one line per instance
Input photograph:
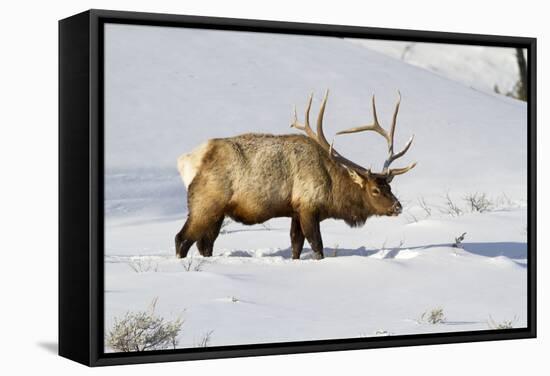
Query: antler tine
(308, 108)
(304, 127)
(320, 134)
(389, 136)
(331, 147)
(375, 126)
(399, 171)
(392, 157)
(320, 138)
(402, 170)
(393, 123)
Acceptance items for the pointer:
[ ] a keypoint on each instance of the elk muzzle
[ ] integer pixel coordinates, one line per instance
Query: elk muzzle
(396, 209)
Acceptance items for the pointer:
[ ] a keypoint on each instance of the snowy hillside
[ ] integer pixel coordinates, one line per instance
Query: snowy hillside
(479, 67)
(169, 89)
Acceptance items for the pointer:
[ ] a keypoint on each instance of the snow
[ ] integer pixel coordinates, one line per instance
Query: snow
(170, 89)
(479, 67)
(250, 293)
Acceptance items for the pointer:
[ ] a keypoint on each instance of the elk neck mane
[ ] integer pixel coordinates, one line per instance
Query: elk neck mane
(349, 202)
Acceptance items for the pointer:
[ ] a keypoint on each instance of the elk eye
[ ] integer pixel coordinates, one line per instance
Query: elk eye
(375, 191)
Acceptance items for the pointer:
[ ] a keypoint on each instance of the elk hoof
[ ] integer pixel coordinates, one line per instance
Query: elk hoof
(318, 256)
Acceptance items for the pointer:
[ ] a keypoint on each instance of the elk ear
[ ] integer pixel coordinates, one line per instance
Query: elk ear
(357, 179)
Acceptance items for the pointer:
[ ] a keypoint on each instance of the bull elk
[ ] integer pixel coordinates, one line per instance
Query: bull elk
(255, 177)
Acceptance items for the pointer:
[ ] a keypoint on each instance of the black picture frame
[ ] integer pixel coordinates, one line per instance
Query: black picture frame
(81, 186)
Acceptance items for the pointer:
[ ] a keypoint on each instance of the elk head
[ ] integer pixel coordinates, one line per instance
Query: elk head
(375, 185)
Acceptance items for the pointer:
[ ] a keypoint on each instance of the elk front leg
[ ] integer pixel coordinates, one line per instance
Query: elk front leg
(312, 231)
(296, 238)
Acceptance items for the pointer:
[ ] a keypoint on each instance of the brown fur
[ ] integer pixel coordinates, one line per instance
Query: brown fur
(255, 177)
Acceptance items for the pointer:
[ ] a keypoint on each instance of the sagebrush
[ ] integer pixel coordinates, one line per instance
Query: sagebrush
(478, 202)
(424, 206)
(505, 324)
(193, 265)
(142, 331)
(433, 316)
(143, 265)
(205, 340)
(450, 207)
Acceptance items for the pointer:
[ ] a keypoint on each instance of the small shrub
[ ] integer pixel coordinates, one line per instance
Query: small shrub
(140, 265)
(205, 340)
(143, 330)
(411, 218)
(459, 240)
(478, 202)
(191, 264)
(434, 316)
(450, 207)
(504, 202)
(424, 206)
(506, 324)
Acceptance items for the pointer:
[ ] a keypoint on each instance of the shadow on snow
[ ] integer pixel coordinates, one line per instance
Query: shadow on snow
(512, 250)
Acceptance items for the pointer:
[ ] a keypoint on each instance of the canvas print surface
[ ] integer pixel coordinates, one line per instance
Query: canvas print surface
(210, 193)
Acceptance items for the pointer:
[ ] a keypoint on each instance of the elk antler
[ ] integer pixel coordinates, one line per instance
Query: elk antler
(375, 126)
(320, 138)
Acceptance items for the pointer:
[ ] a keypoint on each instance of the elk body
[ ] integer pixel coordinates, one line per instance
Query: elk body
(252, 178)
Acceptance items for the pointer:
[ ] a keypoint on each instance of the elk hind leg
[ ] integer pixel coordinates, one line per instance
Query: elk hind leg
(206, 243)
(183, 241)
(195, 229)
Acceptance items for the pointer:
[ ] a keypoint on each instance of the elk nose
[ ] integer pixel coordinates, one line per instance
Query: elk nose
(397, 208)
